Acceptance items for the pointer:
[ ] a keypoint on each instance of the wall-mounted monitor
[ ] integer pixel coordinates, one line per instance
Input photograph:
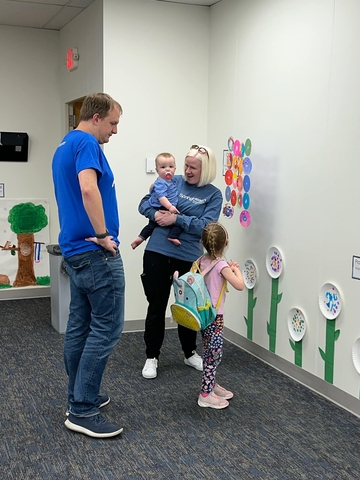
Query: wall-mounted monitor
(14, 147)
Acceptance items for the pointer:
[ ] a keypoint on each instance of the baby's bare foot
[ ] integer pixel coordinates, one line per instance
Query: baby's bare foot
(175, 241)
(136, 242)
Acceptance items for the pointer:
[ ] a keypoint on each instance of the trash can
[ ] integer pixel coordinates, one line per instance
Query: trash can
(59, 289)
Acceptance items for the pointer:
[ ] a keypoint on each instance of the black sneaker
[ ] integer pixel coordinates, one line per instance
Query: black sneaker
(94, 426)
(104, 400)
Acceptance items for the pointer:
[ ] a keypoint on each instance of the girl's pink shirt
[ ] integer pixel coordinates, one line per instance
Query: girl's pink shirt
(214, 280)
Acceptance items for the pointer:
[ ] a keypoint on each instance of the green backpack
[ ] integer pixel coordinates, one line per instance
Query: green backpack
(193, 307)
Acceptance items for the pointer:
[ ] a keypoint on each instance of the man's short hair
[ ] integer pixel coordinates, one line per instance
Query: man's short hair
(100, 103)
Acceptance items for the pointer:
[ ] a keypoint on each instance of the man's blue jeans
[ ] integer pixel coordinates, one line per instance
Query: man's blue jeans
(96, 320)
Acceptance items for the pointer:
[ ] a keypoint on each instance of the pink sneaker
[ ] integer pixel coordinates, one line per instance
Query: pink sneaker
(222, 392)
(212, 401)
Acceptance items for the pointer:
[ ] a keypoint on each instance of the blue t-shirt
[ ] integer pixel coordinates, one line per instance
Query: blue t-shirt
(163, 188)
(79, 151)
(199, 206)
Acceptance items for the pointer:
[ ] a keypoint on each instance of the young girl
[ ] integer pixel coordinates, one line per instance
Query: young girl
(215, 239)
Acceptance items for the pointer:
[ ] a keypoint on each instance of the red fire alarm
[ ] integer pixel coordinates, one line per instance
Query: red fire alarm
(72, 59)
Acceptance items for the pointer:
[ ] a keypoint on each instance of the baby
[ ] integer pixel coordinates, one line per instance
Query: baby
(163, 196)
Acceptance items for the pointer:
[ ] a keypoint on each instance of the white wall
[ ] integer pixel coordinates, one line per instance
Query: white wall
(30, 102)
(285, 74)
(85, 33)
(158, 72)
(156, 65)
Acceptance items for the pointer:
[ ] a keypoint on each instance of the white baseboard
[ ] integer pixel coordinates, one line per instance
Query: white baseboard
(24, 292)
(318, 385)
(139, 325)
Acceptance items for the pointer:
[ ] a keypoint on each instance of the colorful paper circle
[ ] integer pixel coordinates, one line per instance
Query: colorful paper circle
(236, 147)
(230, 144)
(239, 200)
(248, 146)
(229, 158)
(274, 262)
(227, 193)
(234, 182)
(243, 149)
(247, 165)
(228, 210)
(246, 201)
(329, 301)
(233, 198)
(247, 183)
(239, 183)
(235, 163)
(245, 218)
(296, 324)
(250, 274)
(228, 177)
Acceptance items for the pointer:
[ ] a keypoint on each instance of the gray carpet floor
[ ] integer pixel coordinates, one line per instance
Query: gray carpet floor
(274, 427)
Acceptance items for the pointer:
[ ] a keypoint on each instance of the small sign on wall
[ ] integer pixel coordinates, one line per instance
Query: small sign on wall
(72, 59)
(356, 267)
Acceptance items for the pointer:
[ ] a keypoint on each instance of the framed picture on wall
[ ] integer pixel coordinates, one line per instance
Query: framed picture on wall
(225, 161)
(355, 268)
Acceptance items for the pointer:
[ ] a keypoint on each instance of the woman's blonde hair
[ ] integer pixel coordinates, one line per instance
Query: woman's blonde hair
(208, 163)
(215, 239)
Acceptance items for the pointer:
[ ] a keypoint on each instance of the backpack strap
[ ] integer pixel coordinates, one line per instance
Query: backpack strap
(221, 294)
(196, 267)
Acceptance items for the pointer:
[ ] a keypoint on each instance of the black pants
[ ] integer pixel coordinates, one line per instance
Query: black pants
(145, 233)
(175, 230)
(156, 278)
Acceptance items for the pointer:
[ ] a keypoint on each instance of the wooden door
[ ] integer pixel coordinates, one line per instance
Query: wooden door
(74, 113)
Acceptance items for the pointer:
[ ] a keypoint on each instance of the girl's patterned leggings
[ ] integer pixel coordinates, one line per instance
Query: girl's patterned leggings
(212, 338)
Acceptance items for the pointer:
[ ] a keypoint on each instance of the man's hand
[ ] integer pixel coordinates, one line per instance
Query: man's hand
(107, 243)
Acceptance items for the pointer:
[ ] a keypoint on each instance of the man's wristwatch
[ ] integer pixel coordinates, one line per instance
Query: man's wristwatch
(100, 236)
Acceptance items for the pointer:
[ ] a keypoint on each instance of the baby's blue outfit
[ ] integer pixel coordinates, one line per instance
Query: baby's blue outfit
(163, 188)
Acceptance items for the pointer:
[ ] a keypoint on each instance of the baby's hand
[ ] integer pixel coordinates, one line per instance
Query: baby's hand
(173, 209)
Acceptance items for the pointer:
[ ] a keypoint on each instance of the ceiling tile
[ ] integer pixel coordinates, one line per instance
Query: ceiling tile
(55, 14)
(44, 2)
(26, 14)
(65, 15)
(80, 3)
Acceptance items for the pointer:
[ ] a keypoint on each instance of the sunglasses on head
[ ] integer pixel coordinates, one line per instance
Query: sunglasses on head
(200, 149)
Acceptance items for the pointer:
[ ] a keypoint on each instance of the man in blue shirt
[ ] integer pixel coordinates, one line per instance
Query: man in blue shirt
(89, 229)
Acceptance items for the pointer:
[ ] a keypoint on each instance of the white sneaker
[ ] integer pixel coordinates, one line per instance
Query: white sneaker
(150, 368)
(194, 361)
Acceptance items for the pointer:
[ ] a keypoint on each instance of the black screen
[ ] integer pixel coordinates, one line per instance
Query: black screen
(14, 147)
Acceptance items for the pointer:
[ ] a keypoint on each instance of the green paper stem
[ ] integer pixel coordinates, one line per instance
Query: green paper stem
(328, 356)
(297, 347)
(250, 313)
(271, 325)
